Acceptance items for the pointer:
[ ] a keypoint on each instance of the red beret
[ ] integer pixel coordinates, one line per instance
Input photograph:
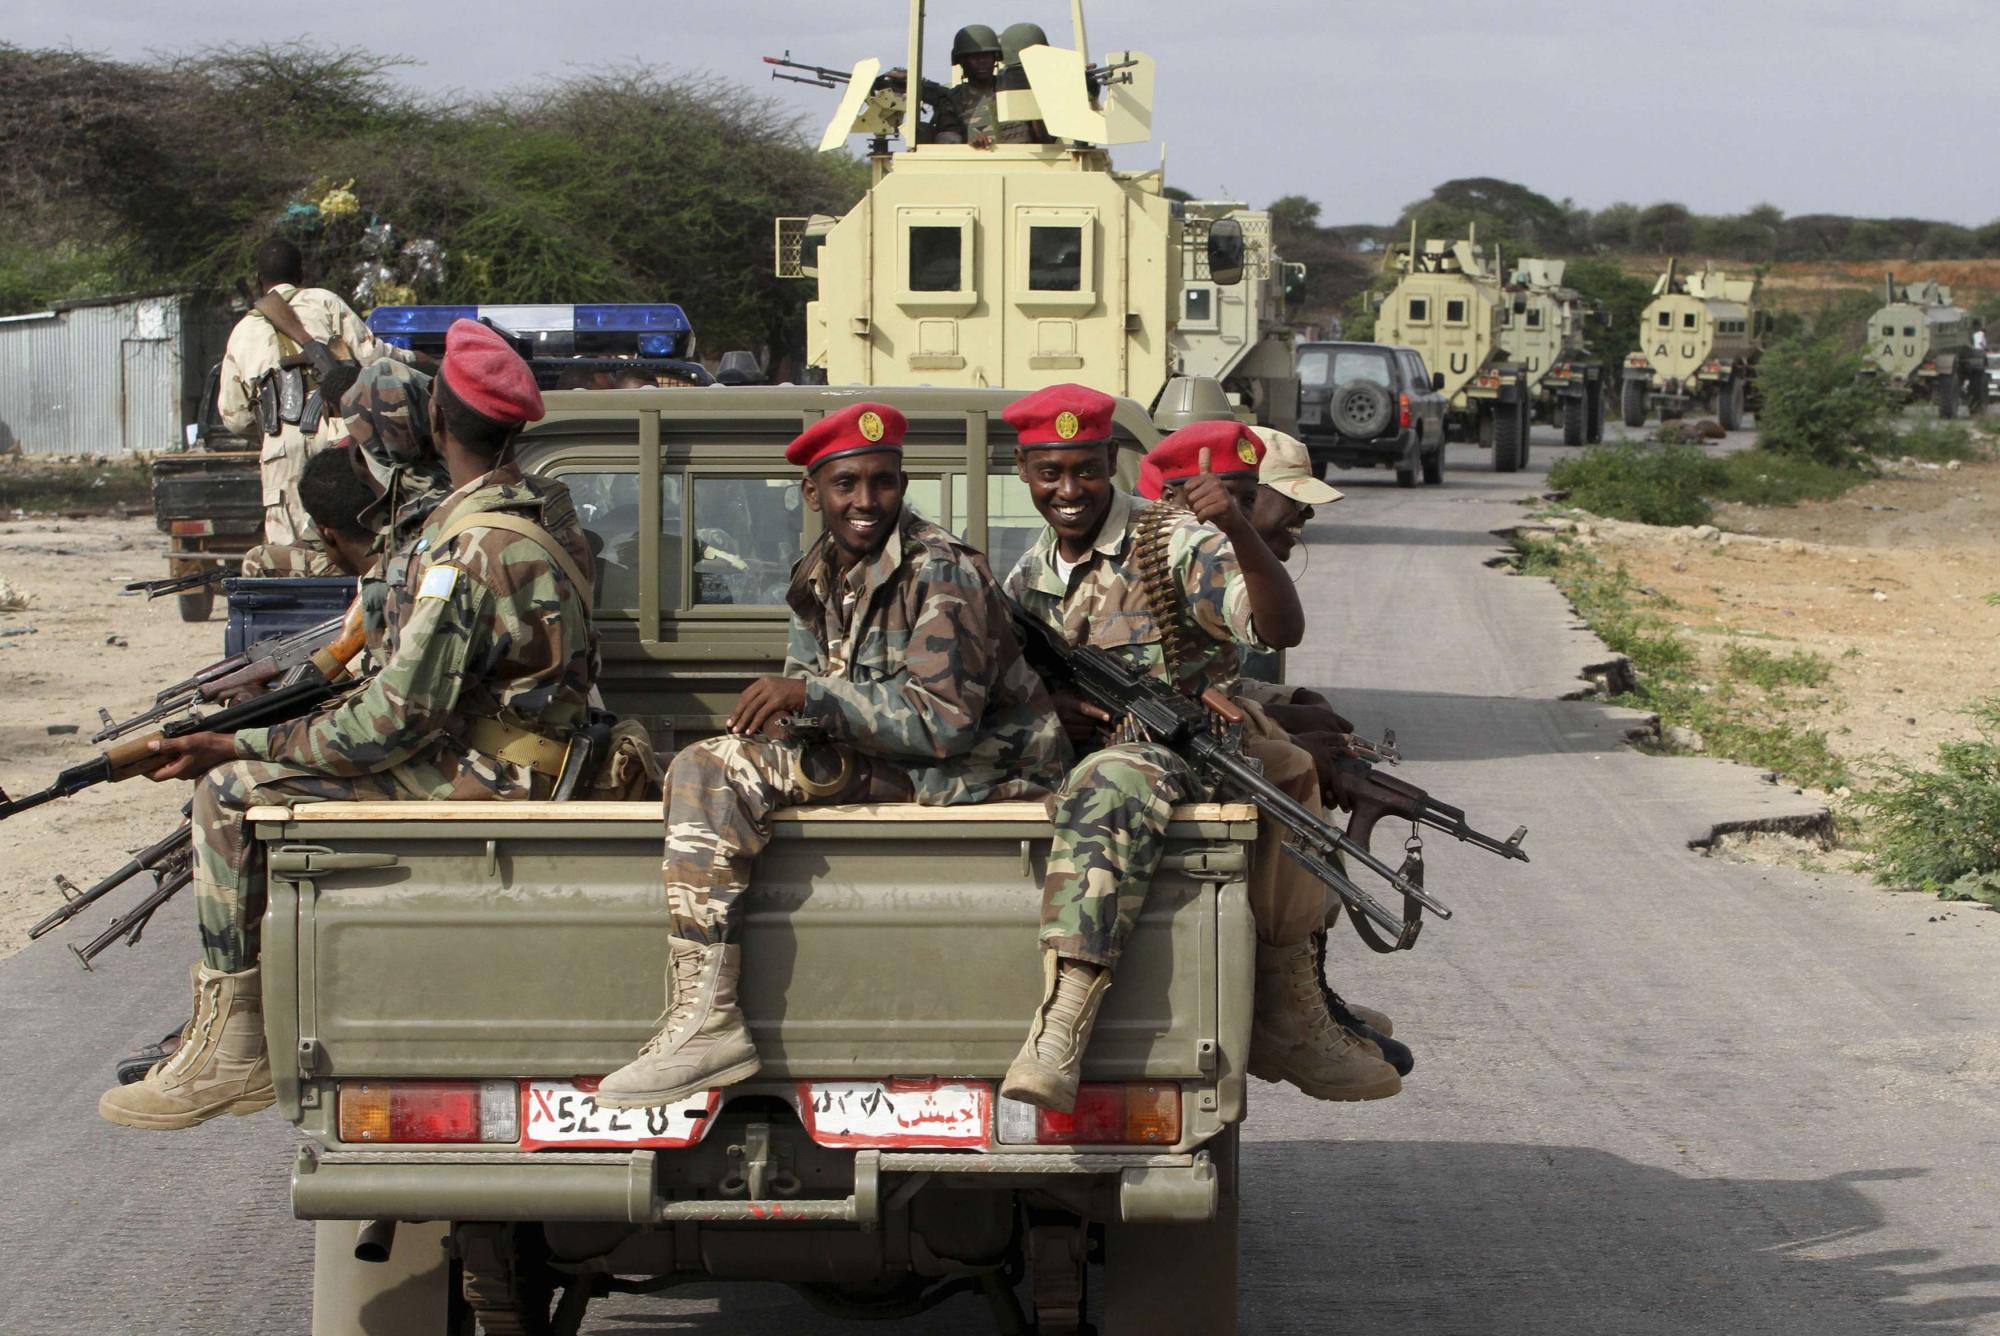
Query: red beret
(854, 430)
(1151, 486)
(488, 376)
(1061, 415)
(1232, 448)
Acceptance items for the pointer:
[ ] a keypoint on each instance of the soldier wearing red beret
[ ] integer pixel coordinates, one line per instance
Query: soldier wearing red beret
(490, 660)
(903, 682)
(1082, 578)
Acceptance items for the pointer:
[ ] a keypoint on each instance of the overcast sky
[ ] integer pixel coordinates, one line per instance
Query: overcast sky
(1844, 106)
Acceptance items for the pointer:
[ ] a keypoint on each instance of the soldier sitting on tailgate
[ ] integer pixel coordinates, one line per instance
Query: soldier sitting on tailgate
(1297, 736)
(903, 682)
(488, 671)
(1084, 578)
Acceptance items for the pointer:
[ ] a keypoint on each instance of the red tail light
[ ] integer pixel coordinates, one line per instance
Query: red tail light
(1106, 1113)
(1403, 418)
(435, 1111)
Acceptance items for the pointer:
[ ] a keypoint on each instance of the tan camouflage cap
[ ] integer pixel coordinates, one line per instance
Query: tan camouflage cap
(1287, 469)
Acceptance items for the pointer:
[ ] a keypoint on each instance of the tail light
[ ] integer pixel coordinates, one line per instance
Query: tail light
(1403, 417)
(1106, 1114)
(192, 528)
(435, 1111)
(1637, 359)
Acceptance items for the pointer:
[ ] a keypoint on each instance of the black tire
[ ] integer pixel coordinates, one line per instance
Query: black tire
(1729, 405)
(1360, 409)
(1434, 466)
(1176, 1277)
(1633, 403)
(1527, 439)
(1485, 429)
(1576, 425)
(1593, 414)
(197, 606)
(1947, 396)
(1510, 430)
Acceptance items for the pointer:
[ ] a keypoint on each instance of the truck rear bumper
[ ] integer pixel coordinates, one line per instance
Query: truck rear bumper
(623, 1186)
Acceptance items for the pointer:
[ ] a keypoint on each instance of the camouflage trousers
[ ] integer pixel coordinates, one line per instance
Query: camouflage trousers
(1110, 828)
(269, 559)
(720, 796)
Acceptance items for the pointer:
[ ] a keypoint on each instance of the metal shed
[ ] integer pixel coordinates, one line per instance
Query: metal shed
(106, 376)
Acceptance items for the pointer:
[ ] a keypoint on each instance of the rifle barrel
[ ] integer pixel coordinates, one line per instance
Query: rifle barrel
(143, 861)
(133, 922)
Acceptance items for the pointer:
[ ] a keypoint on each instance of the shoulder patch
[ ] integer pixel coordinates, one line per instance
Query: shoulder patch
(439, 581)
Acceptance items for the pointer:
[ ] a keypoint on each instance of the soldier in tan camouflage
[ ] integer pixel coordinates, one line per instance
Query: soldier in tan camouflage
(490, 656)
(255, 349)
(902, 671)
(334, 496)
(1084, 577)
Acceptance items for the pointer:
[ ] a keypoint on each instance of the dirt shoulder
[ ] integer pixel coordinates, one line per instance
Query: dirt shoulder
(77, 645)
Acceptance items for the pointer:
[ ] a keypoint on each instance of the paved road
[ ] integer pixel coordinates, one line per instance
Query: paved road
(1656, 1093)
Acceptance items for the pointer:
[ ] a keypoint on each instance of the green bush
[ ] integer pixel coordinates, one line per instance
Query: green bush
(1761, 478)
(1934, 441)
(1771, 671)
(1816, 406)
(1940, 828)
(1647, 485)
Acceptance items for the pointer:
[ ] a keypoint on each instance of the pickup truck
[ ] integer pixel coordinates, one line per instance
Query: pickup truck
(208, 499)
(444, 983)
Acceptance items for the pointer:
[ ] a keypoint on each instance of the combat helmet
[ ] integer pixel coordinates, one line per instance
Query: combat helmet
(1018, 37)
(974, 39)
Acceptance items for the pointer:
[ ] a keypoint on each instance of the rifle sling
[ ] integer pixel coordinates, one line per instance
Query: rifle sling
(521, 527)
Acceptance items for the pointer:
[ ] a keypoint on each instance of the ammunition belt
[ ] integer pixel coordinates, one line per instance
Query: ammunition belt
(1166, 599)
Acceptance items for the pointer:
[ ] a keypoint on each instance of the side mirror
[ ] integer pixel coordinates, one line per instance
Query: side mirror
(1225, 252)
(1437, 380)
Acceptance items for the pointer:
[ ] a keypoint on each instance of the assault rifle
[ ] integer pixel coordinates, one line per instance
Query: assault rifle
(152, 858)
(137, 757)
(323, 649)
(1199, 731)
(179, 584)
(174, 876)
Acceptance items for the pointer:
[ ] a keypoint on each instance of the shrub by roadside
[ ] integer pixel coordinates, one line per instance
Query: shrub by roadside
(1815, 405)
(1675, 484)
(1939, 829)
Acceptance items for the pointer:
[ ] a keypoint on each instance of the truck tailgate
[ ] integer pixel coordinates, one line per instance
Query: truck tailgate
(530, 939)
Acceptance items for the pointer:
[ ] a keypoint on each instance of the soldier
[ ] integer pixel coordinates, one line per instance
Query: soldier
(971, 115)
(334, 497)
(1017, 38)
(488, 669)
(903, 658)
(1083, 577)
(255, 349)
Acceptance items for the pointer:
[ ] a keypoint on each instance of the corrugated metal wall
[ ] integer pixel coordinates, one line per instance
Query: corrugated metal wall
(101, 380)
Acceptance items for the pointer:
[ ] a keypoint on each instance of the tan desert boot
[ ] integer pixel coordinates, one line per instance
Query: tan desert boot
(1295, 1038)
(220, 1067)
(1046, 1071)
(703, 1041)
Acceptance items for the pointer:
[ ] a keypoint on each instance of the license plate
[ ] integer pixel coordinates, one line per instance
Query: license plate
(897, 1113)
(563, 1114)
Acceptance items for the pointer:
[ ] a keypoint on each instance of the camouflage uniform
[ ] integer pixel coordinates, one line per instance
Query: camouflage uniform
(268, 560)
(969, 111)
(911, 667)
(1111, 813)
(387, 412)
(255, 348)
(490, 628)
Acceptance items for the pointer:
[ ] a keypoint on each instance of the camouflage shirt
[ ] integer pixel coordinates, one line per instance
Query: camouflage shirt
(1106, 604)
(932, 675)
(387, 413)
(490, 627)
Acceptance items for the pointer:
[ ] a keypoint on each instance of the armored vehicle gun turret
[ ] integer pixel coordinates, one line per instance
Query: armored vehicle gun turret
(1023, 261)
(1920, 346)
(1542, 329)
(1450, 306)
(1697, 349)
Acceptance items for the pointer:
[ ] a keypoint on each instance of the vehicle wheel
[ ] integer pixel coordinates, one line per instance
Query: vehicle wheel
(1634, 403)
(1360, 409)
(1527, 440)
(1434, 466)
(1576, 425)
(196, 606)
(1510, 426)
(1593, 414)
(1729, 405)
(1485, 429)
(1176, 1277)
(414, 1293)
(1947, 396)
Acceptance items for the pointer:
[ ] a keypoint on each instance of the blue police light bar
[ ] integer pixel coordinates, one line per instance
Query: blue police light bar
(656, 329)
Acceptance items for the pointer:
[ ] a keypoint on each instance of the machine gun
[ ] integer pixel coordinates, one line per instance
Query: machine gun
(153, 858)
(822, 76)
(324, 649)
(137, 757)
(1201, 732)
(181, 584)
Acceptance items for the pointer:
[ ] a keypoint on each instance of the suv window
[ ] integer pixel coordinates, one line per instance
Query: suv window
(1314, 364)
(1413, 367)
(1361, 364)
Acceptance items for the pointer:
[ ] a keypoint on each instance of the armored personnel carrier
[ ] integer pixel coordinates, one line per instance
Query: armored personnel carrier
(1542, 330)
(1697, 349)
(1450, 306)
(1920, 346)
(1237, 333)
(1025, 260)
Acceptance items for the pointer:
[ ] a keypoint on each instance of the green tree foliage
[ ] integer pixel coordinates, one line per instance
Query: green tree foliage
(1509, 215)
(1816, 405)
(1620, 297)
(1663, 228)
(1333, 271)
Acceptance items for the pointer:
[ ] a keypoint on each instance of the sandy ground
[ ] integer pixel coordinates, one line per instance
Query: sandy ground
(56, 668)
(1888, 582)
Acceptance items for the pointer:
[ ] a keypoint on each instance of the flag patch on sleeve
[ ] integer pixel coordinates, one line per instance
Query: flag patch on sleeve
(439, 581)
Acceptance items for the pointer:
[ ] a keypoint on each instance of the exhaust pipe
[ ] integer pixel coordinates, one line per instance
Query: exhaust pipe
(374, 1241)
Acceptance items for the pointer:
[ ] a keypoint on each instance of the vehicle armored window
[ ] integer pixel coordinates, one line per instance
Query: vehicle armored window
(934, 259)
(1534, 317)
(1689, 321)
(1888, 331)
(1909, 331)
(1200, 304)
(1454, 311)
(1666, 319)
(1055, 258)
(1420, 311)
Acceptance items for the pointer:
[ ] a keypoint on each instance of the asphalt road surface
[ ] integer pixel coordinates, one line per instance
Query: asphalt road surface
(1656, 1093)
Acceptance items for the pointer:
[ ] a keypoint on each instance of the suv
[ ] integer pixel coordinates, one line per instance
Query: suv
(1362, 404)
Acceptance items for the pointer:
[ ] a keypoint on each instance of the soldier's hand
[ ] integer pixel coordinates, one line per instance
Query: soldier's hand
(1081, 720)
(192, 755)
(1317, 717)
(764, 702)
(1211, 502)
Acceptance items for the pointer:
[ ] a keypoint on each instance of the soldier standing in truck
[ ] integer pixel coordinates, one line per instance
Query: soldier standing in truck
(488, 675)
(254, 352)
(971, 113)
(902, 673)
(1084, 577)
